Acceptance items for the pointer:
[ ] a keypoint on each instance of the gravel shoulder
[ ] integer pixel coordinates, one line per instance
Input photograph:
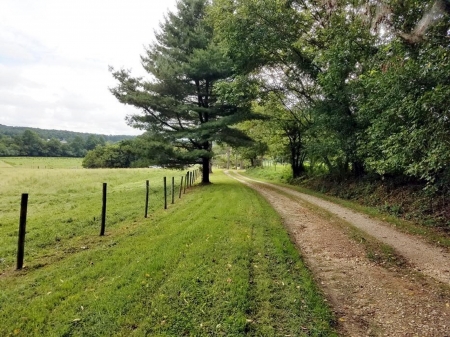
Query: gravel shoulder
(368, 299)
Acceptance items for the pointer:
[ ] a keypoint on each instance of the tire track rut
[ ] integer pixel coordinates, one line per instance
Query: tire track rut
(368, 299)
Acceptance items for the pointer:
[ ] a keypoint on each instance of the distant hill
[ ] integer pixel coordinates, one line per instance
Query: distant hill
(59, 134)
(34, 142)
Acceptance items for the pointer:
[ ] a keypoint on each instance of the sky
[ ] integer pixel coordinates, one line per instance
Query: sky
(55, 55)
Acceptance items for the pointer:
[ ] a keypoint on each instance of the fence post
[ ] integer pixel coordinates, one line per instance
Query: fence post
(165, 193)
(185, 183)
(147, 188)
(173, 190)
(181, 187)
(102, 230)
(22, 230)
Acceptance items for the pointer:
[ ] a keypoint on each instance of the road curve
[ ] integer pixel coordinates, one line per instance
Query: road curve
(424, 257)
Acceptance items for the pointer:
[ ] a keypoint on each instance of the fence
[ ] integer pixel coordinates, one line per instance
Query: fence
(169, 193)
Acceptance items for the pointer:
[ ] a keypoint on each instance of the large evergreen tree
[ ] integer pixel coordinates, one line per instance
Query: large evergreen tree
(179, 106)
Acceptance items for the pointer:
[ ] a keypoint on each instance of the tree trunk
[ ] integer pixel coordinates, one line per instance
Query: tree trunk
(358, 168)
(297, 155)
(297, 168)
(205, 170)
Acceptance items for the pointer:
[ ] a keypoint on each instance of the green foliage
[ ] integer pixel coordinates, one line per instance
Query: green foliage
(31, 142)
(121, 155)
(408, 113)
(181, 109)
(276, 173)
(68, 136)
(371, 78)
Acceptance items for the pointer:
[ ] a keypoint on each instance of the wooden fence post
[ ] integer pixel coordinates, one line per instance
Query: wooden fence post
(185, 183)
(102, 230)
(173, 190)
(147, 188)
(165, 193)
(181, 187)
(22, 230)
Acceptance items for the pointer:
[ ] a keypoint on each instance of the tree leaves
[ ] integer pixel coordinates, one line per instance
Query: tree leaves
(181, 106)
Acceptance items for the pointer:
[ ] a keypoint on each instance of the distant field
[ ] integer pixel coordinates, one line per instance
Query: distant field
(217, 263)
(65, 204)
(40, 162)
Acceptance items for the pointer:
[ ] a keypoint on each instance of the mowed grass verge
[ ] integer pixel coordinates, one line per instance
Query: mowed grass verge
(218, 263)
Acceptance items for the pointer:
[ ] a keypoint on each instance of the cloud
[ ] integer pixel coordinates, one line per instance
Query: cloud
(54, 58)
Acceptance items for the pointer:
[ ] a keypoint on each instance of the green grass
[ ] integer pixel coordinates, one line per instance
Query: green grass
(65, 205)
(279, 173)
(217, 263)
(40, 162)
(431, 235)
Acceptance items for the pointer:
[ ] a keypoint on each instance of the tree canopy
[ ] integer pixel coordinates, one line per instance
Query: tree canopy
(357, 86)
(32, 143)
(370, 77)
(183, 104)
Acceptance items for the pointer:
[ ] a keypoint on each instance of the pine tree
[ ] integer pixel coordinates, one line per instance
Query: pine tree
(180, 107)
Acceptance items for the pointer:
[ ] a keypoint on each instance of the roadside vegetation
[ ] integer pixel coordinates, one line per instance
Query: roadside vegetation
(218, 262)
(407, 206)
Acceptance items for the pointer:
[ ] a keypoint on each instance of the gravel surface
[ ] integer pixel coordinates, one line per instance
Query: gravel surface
(368, 299)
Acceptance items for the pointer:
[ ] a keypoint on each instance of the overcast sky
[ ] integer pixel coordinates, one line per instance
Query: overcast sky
(54, 58)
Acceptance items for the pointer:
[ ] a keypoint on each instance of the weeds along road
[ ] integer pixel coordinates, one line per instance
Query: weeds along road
(369, 298)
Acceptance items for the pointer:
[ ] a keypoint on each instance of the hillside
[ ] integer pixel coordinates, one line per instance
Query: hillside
(58, 134)
(34, 142)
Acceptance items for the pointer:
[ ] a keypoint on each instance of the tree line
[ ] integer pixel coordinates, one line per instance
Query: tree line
(65, 135)
(30, 143)
(347, 87)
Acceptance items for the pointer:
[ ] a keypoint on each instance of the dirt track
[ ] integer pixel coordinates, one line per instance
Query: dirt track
(368, 299)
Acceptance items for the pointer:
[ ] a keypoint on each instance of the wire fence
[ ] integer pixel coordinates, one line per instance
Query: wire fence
(117, 205)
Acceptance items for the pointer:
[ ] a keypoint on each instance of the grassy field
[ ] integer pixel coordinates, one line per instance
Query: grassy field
(217, 263)
(40, 163)
(65, 205)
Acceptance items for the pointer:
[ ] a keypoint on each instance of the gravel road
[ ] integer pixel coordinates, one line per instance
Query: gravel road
(368, 299)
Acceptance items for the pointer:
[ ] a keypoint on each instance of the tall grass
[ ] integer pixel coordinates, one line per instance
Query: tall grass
(276, 173)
